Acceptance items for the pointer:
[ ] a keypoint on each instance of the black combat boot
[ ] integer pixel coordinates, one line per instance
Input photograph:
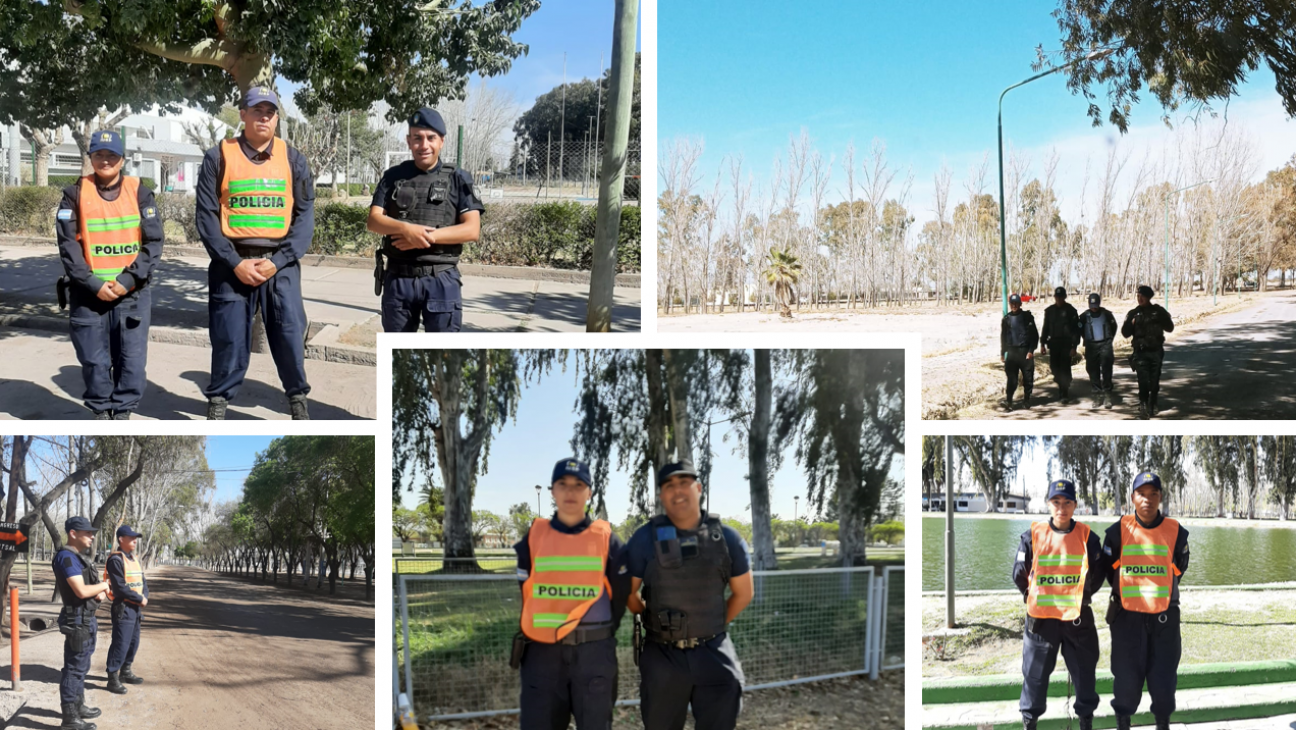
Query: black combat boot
(1008, 404)
(216, 409)
(1107, 400)
(72, 718)
(1122, 722)
(114, 684)
(103, 415)
(1152, 406)
(1028, 724)
(1086, 723)
(128, 676)
(121, 415)
(1163, 723)
(297, 404)
(86, 712)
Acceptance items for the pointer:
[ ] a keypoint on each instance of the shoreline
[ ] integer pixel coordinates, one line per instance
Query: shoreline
(1258, 523)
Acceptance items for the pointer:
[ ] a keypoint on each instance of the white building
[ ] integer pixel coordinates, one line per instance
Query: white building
(976, 502)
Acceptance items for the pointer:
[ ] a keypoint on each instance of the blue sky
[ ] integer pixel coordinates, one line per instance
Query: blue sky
(236, 454)
(923, 77)
(523, 455)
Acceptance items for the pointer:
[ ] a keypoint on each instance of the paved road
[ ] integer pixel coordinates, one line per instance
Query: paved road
(219, 653)
(1239, 365)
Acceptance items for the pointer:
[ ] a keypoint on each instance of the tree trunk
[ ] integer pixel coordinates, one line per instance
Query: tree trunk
(764, 557)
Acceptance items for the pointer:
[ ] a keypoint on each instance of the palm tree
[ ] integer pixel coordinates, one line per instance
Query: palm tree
(782, 269)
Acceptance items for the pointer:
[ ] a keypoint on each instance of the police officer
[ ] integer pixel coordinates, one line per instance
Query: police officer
(128, 592)
(574, 586)
(1146, 554)
(76, 583)
(1061, 332)
(684, 560)
(1148, 324)
(1017, 340)
(110, 238)
(256, 217)
(426, 210)
(1058, 568)
(1098, 328)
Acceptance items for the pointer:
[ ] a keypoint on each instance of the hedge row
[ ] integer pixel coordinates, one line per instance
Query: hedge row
(554, 234)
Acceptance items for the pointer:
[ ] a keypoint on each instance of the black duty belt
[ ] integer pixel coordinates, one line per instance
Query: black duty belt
(584, 635)
(682, 643)
(255, 252)
(415, 271)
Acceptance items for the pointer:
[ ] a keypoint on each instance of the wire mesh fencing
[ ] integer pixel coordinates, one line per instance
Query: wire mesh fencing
(455, 632)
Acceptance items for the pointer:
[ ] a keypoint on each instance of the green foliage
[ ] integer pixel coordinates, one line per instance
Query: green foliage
(1180, 50)
(890, 532)
(559, 114)
(340, 230)
(178, 216)
(28, 209)
(62, 181)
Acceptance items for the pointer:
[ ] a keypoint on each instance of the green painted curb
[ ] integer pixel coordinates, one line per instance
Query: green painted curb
(1191, 676)
(1213, 714)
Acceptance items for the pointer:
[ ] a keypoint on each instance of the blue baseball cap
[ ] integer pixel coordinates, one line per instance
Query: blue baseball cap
(126, 531)
(1014, 299)
(257, 94)
(429, 119)
(1061, 488)
(106, 139)
(678, 468)
(77, 523)
(574, 467)
(1146, 291)
(1060, 292)
(1144, 478)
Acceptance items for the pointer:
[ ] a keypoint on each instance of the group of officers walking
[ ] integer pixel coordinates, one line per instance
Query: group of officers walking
(255, 215)
(82, 590)
(1063, 332)
(1060, 565)
(577, 581)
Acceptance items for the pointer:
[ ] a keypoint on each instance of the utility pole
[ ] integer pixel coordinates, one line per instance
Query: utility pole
(949, 532)
(562, 127)
(607, 226)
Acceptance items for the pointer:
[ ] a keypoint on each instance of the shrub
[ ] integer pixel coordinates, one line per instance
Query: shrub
(340, 229)
(178, 208)
(29, 209)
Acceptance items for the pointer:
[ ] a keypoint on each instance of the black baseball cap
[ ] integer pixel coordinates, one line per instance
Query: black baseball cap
(77, 523)
(1146, 291)
(1014, 299)
(1060, 292)
(1095, 299)
(678, 468)
(126, 531)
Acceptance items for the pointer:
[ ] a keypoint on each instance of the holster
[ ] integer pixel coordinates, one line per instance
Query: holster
(1114, 609)
(61, 288)
(378, 272)
(519, 647)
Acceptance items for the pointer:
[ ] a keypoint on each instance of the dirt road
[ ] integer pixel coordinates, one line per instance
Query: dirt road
(218, 653)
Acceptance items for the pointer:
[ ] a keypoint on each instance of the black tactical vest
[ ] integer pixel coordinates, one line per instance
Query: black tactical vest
(1018, 329)
(74, 606)
(1063, 322)
(684, 586)
(1148, 334)
(424, 200)
(1095, 327)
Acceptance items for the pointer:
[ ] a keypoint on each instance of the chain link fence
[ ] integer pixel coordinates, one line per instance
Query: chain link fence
(454, 633)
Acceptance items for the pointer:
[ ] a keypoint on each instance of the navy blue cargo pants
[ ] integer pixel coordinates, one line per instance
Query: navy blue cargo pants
(111, 341)
(437, 301)
(231, 305)
(1078, 641)
(1145, 648)
(709, 677)
(78, 647)
(125, 635)
(562, 681)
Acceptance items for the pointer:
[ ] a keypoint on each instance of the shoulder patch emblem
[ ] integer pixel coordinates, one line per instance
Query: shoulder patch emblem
(150, 212)
(65, 214)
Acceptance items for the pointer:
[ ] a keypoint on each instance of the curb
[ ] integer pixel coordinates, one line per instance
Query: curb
(1191, 676)
(1180, 717)
(321, 346)
(564, 276)
(1285, 585)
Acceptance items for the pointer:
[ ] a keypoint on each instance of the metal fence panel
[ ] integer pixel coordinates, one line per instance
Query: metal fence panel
(893, 655)
(802, 625)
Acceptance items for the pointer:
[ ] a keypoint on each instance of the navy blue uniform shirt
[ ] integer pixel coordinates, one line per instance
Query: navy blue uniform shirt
(616, 570)
(117, 579)
(641, 551)
(461, 194)
(300, 229)
(67, 225)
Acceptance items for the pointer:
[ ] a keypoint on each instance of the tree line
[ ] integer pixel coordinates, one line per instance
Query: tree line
(843, 410)
(737, 243)
(307, 498)
(1244, 477)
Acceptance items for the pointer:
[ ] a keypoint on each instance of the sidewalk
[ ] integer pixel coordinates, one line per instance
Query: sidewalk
(496, 299)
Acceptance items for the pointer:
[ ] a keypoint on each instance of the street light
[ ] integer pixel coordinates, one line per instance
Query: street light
(1003, 221)
(538, 510)
(1167, 245)
(796, 501)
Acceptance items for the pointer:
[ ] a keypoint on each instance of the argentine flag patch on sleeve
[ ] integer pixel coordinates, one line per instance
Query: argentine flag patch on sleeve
(65, 214)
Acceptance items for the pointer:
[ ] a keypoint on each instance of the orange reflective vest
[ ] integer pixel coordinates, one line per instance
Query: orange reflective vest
(1058, 573)
(109, 229)
(1146, 565)
(132, 571)
(255, 200)
(568, 575)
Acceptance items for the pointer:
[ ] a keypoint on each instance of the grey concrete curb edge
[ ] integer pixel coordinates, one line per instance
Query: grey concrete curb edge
(355, 262)
(330, 352)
